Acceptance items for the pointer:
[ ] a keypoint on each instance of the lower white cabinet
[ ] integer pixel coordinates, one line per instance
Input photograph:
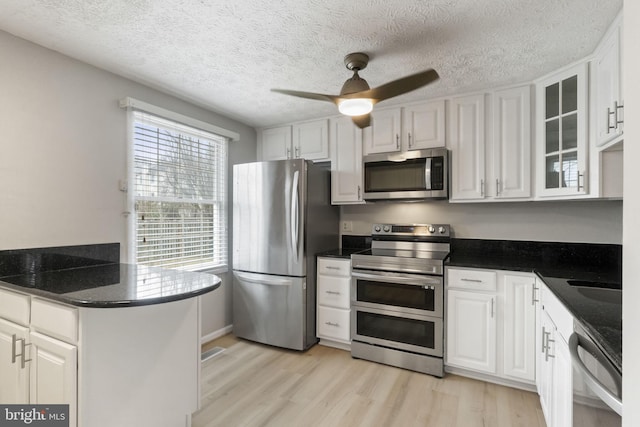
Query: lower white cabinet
(14, 386)
(555, 378)
(471, 336)
(333, 312)
(491, 324)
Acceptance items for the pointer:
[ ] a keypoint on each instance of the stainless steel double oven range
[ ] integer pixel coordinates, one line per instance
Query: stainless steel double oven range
(397, 297)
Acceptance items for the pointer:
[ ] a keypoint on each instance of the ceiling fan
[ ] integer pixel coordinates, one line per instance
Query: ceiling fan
(356, 99)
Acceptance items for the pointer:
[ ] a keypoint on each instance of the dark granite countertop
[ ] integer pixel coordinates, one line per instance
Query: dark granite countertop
(341, 252)
(562, 266)
(91, 276)
(113, 285)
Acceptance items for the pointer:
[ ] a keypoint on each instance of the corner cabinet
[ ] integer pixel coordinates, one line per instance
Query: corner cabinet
(562, 133)
(308, 140)
(346, 163)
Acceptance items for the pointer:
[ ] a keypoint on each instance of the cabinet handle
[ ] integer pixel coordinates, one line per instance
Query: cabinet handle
(471, 280)
(288, 153)
(544, 345)
(329, 267)
(534, 288)
(618, 108)
(336, 325)
(409, 135)
(498, 191)
(359, 192)
(23, 347)
(397, 140)
(580, 175)
(609, 114)
(547, 356)
(492, 307)
(297, 152)
(333, 292)
(482, 187)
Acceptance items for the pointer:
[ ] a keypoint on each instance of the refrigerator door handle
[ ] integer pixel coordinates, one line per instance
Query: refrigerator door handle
(262, 279)
(294, 214)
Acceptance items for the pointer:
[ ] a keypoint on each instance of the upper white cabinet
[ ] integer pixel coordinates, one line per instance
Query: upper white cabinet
(383, 136)
(562, 133)
(423, 126)
(308, 140)
(413, 127)
(608, 94)
(511, 142)
(467, 144)
(346, 163)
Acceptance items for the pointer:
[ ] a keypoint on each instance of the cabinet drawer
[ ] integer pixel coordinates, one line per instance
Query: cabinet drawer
(334, 291)
(14, 307)
(334, 267)
(479, 280)
(56, 320)
(334, 323)
(561, 317)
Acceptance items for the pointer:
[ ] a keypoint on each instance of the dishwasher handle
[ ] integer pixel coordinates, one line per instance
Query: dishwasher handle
(613, 401)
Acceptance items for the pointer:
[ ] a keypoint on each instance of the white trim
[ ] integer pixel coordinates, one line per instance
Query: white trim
(132, 103)
(131, 202)
(216, 334)
(522, 385)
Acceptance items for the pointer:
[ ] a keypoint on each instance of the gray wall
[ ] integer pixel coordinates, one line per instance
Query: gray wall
(553, 221)
(63, 150)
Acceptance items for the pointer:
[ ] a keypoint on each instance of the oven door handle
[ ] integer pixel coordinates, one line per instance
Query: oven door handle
(614, 402)
(396, 279)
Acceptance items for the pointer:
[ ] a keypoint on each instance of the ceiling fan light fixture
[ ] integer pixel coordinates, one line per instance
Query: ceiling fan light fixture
(355, 106)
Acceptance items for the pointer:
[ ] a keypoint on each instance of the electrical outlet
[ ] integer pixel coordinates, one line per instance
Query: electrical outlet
(347, 226)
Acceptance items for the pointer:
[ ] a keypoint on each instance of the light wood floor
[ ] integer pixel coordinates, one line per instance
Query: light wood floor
(254, 385)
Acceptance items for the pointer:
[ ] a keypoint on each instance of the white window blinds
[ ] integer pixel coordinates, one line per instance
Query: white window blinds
(179, 193)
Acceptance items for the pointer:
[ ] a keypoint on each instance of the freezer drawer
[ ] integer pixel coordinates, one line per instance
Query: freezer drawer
(270, 309)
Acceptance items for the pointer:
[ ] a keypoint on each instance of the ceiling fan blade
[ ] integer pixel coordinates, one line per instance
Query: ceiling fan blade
(362, 121)
(308, 95)
(397, 87)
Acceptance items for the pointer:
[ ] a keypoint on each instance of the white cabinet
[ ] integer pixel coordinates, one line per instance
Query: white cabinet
(519, 327)
(471, 336)
(14, 387)
(608, 94)
(511, 141)
(490, 142)
(555, 378)
(423, 126)
(38, 368)
(333, 299)
(467, 145)
(561, 143)
(412, 127)
(308, 140)
(383, 136)
(346, 163)
(491, 325)
(275, 143)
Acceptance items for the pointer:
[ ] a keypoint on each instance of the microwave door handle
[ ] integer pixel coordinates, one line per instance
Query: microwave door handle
(427, 173)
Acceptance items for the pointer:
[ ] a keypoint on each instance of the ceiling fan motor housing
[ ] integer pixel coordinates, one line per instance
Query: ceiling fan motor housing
(354, 84)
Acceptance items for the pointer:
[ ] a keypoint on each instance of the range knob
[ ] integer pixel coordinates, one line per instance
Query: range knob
(377, 228)
(386, 229)
(431, 229)
(442, 230)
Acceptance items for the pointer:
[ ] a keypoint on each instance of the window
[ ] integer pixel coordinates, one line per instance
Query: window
(178, 190)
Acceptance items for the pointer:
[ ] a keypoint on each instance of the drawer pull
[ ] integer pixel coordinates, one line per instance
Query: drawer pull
(471, 280)
(333, 292)
(336, 325)
(328, 267)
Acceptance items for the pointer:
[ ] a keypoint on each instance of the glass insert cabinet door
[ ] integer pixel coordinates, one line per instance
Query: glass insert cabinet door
(562, 134)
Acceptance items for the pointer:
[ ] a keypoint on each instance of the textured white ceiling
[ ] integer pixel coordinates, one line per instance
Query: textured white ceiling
(227, 55)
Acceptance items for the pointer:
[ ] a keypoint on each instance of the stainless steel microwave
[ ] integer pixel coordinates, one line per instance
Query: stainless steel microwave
(410, 175)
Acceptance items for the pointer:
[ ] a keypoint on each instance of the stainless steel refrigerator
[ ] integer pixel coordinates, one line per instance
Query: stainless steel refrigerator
(282, 217)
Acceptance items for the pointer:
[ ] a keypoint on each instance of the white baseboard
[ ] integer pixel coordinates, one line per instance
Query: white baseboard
(522, 385)
(216, 334)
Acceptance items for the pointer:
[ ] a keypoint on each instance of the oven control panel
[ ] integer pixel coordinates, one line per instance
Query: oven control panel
(414, 230)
